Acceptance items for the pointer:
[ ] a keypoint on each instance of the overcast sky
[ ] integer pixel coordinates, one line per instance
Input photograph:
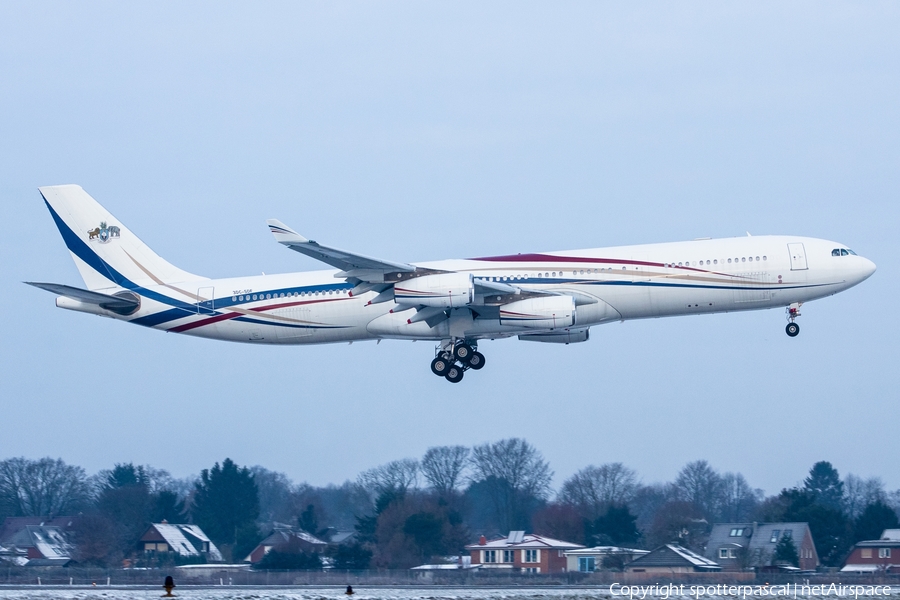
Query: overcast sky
(418, 131)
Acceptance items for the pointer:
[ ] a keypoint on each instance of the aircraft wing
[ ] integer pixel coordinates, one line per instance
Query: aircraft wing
(364, 268)
(89, 297)
(378, 275)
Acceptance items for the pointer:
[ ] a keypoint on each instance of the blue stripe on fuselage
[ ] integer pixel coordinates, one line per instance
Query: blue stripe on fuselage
(80, 249)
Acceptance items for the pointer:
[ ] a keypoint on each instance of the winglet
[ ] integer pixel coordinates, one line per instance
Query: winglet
(284, 234)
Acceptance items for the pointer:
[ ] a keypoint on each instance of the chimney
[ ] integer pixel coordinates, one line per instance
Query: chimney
(482, 541)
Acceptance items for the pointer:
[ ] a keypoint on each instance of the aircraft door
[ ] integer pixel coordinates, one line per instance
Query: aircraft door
(798, 257)
(206, 301)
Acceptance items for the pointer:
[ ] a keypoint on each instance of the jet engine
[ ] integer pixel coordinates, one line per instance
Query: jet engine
(444, 290)
(546, 312)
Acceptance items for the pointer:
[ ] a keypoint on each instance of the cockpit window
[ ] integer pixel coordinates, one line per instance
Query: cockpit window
(851, 252)
(836, 252)
(843, 252)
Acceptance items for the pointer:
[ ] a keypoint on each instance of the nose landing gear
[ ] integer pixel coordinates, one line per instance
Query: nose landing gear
(452, 359)
(793, 311)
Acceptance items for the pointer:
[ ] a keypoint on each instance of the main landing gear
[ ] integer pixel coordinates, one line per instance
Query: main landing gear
(454, 359)
(793, 311)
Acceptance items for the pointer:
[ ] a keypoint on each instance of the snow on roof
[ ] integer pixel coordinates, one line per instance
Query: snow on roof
(176, 540)
(214, 568)
(174, 534)
(529, 540)
(48, 540)
(194, 531)
(13, 555)
(340, 536)
(891, 534)
(859, 569)
(605, 550)
(692, 557)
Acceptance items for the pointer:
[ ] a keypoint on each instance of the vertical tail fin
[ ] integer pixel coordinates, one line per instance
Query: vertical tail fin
(106, 253)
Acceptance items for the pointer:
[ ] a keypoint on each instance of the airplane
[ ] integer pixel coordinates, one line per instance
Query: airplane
(550, 297)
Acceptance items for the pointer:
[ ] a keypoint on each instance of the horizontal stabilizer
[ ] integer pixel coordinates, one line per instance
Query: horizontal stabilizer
(120, 304)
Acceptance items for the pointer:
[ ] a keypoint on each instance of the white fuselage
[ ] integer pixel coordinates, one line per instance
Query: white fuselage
(609, 284)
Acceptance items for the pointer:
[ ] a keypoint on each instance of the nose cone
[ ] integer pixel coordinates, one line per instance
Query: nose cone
(866, 269)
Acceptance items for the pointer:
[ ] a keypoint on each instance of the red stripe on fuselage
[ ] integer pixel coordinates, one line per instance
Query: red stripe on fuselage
(583, 259)
(232, 315)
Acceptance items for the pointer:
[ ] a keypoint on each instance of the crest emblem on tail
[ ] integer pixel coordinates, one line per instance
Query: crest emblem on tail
(103, 233)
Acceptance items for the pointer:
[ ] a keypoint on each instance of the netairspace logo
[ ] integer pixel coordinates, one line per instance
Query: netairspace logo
(790, 590)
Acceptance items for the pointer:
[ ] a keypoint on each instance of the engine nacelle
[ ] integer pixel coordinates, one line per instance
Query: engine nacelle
(566, 336)
(444, 290)
(546, 312)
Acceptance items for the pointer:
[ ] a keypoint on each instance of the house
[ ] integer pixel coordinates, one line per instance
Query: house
(44, 545)
(182, 540)
(881, 555)
(588, 560)
(671, 558)
(528, 552)
(12, 555)
(13, 525)
(283, 538)
(737, 546)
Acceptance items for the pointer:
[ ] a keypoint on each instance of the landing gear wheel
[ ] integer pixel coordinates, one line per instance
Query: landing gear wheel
(476, 361)
(792, 329)
(440, 366)
(454, 374)
(463, 352)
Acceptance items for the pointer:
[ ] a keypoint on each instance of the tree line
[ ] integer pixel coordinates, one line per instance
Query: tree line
(413, 511)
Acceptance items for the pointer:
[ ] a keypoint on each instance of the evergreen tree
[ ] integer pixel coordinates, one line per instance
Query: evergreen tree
(308, 521)
(829, 527)
(875, 518)
(786, 552)
(426, 529)
(226, 506)
(165, 506)
(617, 525)
(825, 485)
(352, 557)
(126, 504)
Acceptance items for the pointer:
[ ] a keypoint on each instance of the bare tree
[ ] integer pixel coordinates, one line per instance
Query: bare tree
(396, 477)
(443, 466)
(44, 487)
(737, 500)
(699, 484)
(275, 495)
(594, 489)
(859, 493)
(515, 476)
